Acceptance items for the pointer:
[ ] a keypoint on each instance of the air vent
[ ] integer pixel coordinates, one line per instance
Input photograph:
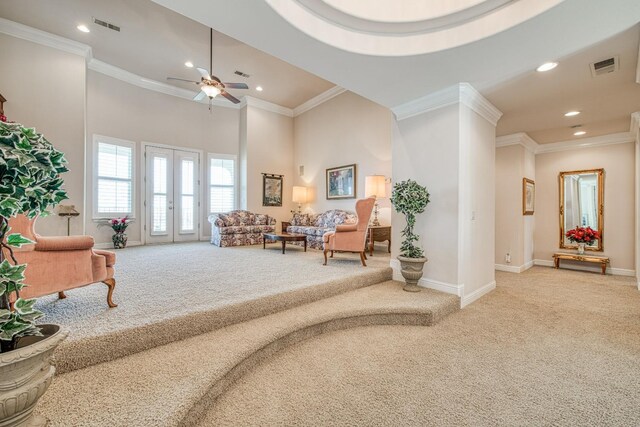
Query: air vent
(106, 24)
(605, 66)
(240, 73)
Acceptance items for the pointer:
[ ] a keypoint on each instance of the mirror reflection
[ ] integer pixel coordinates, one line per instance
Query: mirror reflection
(581, 203)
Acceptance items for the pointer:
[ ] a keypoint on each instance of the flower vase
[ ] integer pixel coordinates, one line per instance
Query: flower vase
(119, 240)
(581, 248)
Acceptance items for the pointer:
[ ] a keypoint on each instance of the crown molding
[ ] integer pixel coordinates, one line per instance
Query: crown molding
(519, 138)
(461, 93)
(317, 100)
(267, 106)
(478, 103)
(154, 85)
(34, 35)
(596, 141)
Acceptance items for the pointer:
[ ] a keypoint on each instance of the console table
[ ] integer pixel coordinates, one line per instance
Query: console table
(378, 233)
(602, 260)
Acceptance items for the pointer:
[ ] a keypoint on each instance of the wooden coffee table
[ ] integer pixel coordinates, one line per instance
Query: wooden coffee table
(284, 238)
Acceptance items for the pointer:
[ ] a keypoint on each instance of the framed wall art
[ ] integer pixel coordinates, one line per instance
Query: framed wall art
(271, 189)
(528, 196)
(341, 182)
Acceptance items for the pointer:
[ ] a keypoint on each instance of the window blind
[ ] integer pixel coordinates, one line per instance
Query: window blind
(222, 190)
(115, 179)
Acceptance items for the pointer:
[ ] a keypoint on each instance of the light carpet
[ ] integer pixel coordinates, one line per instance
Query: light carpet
(170, 292)
(546, 348)
(174, 384)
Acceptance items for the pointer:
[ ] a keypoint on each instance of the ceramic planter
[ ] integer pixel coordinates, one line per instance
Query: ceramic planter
(119, 240)
(411, 269)
(25, 374)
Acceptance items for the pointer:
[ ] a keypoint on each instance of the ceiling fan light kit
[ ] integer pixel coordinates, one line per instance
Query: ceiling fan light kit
(210, 85)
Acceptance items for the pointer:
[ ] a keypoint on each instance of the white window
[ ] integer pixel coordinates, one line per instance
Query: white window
(113, 177)
(222, 183)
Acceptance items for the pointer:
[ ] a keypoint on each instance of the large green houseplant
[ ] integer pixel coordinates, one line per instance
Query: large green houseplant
(410, 199)
(30, 183)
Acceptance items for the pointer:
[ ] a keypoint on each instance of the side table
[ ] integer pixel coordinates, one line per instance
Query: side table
(379, 233)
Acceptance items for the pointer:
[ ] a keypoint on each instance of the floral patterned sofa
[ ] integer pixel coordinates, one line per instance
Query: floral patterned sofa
(239, 228)
(315, 225)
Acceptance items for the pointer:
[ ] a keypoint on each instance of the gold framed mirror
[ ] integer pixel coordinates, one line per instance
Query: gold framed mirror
(581, 204)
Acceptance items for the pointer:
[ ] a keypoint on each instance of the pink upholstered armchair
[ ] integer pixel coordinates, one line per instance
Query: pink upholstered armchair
(351, 237)
(57, 264)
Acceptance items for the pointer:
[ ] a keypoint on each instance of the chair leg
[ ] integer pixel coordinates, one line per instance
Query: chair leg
(365, 255)
(325, 256)
(362, 258)
(331, 254)
(111, 283)
(61, 295)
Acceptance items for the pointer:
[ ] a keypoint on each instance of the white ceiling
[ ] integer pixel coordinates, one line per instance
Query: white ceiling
(155, 42)
(536, 102)
(499, 66)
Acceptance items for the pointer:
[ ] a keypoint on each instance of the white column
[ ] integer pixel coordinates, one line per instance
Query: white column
(446, 142)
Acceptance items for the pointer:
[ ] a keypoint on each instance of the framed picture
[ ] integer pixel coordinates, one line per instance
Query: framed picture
(271, 190)
(528, 196)
(341, 182)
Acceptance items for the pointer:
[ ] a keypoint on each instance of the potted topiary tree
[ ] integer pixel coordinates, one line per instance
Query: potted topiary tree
(30, 183)
(410, 198)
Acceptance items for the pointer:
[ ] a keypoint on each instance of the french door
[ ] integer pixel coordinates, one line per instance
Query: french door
(172, 201)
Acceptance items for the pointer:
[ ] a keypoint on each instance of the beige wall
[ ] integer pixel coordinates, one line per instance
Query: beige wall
(54, 105)
(344, 130)
(120, 110)
(269, 149)
(619, 199)
(514, 231)
(426, 149)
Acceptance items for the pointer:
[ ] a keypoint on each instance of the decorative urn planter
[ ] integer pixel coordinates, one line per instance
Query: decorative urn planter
(411, 269)
(119, 240)
(25, 374)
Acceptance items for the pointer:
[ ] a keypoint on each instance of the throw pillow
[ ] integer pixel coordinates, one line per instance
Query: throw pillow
(260, 219)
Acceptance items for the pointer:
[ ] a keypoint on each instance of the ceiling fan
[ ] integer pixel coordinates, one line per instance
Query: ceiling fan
(210, 85)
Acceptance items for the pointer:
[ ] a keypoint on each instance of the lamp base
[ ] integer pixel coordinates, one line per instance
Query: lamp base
(375, 221)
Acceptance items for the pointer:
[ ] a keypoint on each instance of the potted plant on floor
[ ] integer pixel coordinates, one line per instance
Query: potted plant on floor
(410, 198)
(30, 183)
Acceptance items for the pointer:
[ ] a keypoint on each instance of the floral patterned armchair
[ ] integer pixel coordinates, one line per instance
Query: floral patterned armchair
(239, 228)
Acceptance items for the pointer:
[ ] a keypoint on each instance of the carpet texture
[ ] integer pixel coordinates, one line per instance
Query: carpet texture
(175, 384)
(170, 292)
(546, 348)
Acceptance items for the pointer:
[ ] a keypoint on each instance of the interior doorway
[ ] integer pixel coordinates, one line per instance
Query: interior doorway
(172, 195)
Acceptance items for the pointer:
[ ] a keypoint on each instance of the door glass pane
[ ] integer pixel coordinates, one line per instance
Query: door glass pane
(160, 175)
(187, 177)
(187, 197)
(159, 213)
(186, 223)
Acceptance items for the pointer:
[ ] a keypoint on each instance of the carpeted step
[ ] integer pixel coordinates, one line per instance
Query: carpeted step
(174, 384)
(80, 351)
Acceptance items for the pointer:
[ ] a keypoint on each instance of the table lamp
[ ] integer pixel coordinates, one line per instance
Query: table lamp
(299, 196)
(375, 186)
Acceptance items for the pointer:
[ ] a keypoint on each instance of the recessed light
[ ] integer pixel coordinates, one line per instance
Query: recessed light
(579, 133)
(547, 66)
(571, 113)
(259, 88)
(188, 64)
(83, 28)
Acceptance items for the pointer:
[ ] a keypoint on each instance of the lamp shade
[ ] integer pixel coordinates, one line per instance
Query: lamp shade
(299, 194)
(374, 185)
(211, 91)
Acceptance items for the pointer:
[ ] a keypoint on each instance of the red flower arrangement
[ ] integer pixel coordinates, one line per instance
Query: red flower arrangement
(119, 225)
(586, 235)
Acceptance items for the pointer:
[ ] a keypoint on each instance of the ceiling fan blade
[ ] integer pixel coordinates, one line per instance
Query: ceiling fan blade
(182, 80)
(200, 96)
(230, 97)
(204, 73)
(236, 85)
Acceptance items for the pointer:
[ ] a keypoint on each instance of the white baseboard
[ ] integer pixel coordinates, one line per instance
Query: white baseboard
(449, 288)
(466, 300)
(610, 270)
(513, 268)
(110, 245)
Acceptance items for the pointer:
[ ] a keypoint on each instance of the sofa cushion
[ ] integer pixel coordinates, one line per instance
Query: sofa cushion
(300, 219)
(235, 229)
(260, 219)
